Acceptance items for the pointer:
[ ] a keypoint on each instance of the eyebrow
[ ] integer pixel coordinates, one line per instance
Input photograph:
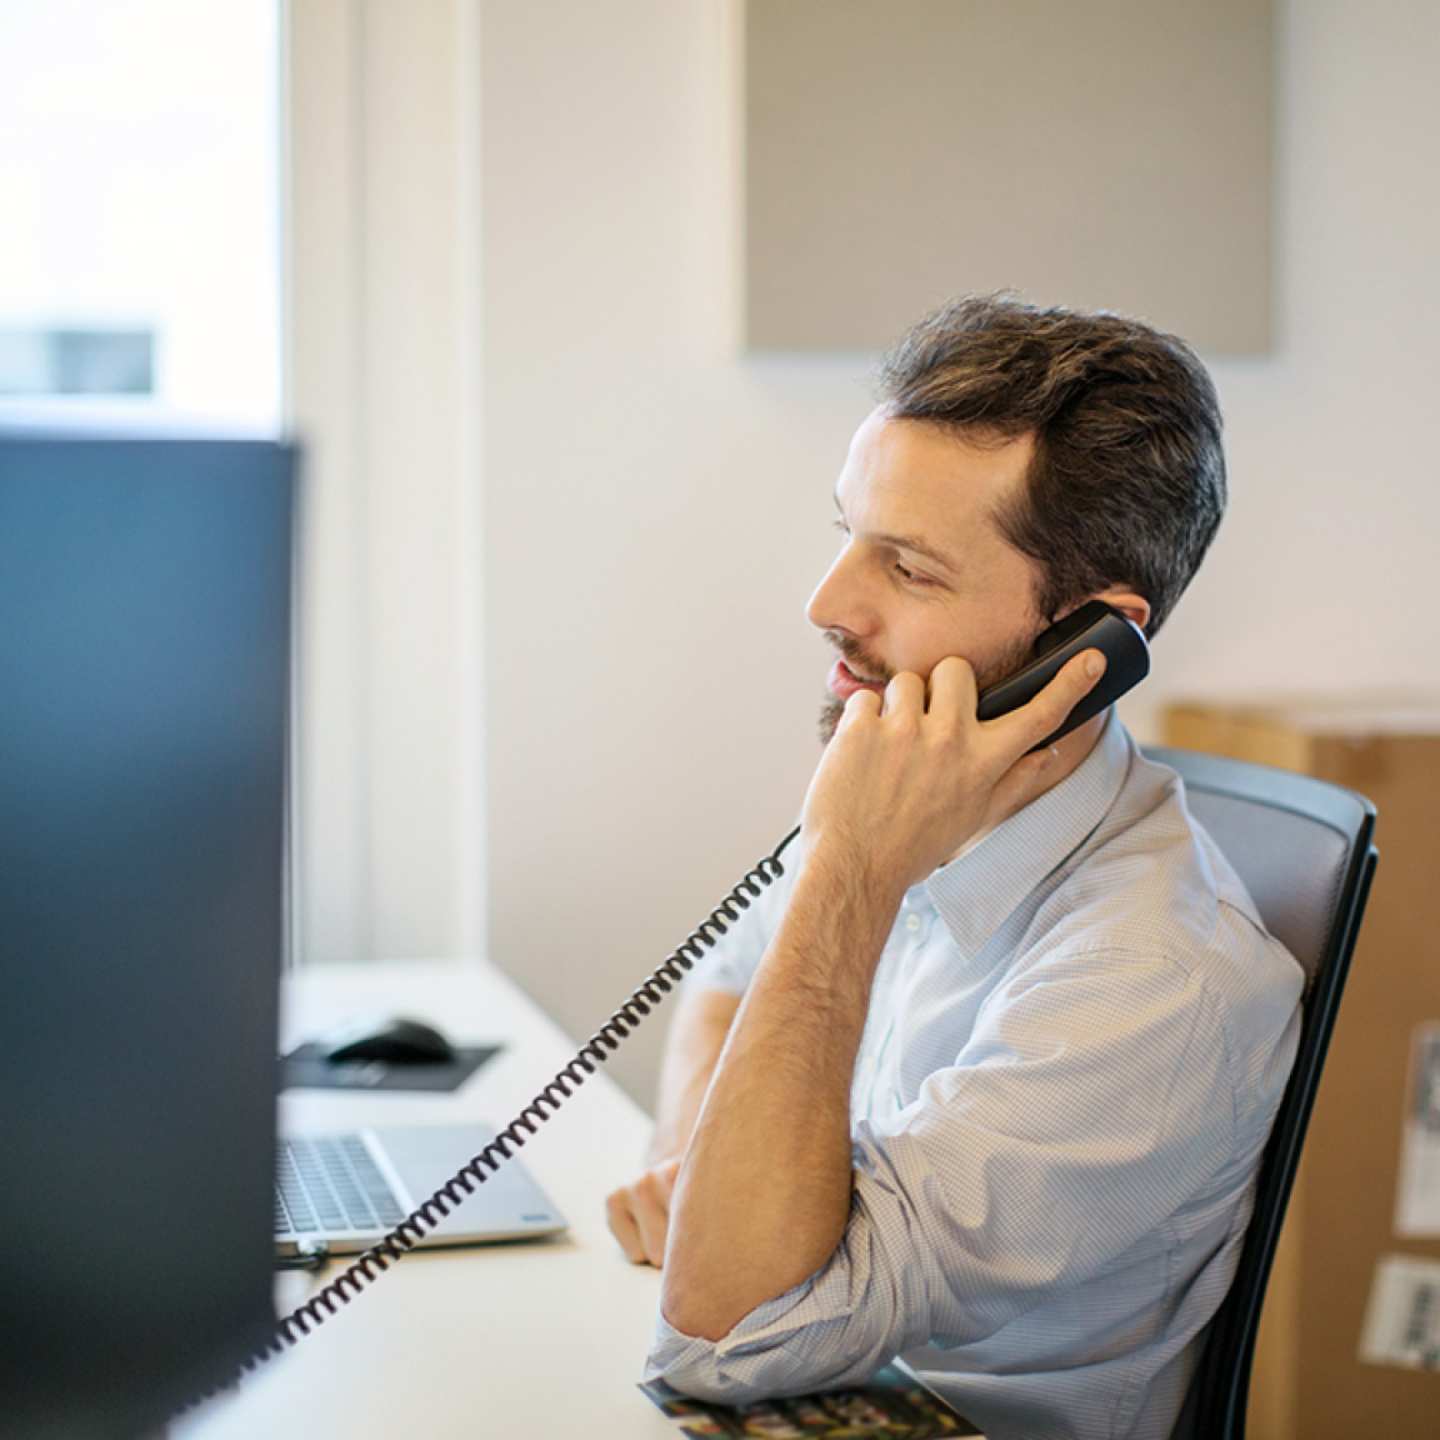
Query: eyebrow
(913, 543)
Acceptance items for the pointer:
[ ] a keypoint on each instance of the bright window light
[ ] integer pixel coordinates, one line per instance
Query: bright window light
(140, 246)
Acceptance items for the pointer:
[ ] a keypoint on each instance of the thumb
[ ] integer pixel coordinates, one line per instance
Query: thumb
(667, 1174)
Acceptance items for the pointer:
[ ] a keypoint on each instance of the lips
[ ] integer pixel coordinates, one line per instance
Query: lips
(843, 682)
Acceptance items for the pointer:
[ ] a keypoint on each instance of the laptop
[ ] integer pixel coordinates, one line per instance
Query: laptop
(341, 1194)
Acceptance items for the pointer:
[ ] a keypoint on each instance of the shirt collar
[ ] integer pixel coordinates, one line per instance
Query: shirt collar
(978, 891)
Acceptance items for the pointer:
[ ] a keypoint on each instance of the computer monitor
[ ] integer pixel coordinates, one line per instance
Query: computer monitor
(144, 678)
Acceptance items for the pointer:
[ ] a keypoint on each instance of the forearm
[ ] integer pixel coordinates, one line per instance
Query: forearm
(764, 1192)
(692, 1049)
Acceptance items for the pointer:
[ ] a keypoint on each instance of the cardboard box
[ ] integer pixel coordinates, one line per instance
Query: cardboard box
(1309, 1382)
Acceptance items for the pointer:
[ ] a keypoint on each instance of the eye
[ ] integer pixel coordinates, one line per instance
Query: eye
(910, 577)
(841, 526)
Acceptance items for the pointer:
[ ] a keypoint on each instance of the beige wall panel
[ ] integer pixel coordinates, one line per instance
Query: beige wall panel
(1110, 153)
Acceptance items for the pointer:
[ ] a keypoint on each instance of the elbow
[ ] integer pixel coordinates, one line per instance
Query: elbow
(696, 1312)
(705, 1295)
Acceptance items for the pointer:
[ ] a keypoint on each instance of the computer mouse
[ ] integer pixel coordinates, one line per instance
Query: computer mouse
(395, 1039)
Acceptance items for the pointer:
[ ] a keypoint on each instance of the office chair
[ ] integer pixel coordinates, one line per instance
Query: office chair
(1303, 848)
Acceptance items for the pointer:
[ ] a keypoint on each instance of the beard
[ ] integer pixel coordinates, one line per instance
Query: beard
(830, 712)
(1006, 664)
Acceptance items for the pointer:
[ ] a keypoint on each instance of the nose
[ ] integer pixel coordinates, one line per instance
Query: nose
(839, 601)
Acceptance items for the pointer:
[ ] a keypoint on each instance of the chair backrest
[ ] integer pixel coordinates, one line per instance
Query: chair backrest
(1303, 848)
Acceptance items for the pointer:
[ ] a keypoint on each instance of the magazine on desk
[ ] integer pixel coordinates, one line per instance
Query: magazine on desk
(892, 1403)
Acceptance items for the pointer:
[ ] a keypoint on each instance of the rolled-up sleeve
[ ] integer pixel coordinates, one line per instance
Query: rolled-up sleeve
(1092, 1099)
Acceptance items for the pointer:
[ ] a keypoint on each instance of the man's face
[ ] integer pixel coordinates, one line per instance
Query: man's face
(923, 571)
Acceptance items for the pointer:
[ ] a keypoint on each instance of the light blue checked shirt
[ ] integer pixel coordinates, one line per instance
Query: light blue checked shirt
(1078, 1036)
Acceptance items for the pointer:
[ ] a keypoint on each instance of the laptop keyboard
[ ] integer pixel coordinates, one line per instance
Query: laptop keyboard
(331, 1184)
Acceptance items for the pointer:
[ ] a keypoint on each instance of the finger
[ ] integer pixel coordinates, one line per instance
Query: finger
(652, 1219)
(953, 696)
(905, 695)
(665, 1177)
(860, 704)
(623, 1226)
(1023, 729)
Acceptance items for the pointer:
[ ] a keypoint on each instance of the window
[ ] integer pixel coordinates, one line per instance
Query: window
(139, 255)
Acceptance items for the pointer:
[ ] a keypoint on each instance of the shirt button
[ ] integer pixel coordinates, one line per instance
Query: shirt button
(912, 921)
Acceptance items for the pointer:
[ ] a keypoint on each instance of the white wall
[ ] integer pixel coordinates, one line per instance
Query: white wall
(657, 506)
(383, 339)
(1322, 576)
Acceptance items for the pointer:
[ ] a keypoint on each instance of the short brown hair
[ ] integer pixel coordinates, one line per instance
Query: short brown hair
(1127, 485)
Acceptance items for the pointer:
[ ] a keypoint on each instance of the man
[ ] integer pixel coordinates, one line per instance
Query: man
(984, 1080)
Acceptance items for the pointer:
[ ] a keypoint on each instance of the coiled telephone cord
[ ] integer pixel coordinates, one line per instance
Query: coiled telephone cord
(595, 1051)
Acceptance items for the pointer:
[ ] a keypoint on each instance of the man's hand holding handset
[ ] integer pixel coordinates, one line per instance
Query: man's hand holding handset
(910, 777)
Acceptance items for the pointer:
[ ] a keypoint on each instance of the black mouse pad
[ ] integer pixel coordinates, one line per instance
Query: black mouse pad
(306, 1067)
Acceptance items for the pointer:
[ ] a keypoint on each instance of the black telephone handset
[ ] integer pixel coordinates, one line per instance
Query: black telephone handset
(1093, 626)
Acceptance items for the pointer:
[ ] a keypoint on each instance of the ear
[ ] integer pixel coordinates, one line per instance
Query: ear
(1128, 603)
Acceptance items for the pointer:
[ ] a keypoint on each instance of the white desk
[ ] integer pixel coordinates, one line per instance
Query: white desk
(543, 1339)
(539, 1340)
